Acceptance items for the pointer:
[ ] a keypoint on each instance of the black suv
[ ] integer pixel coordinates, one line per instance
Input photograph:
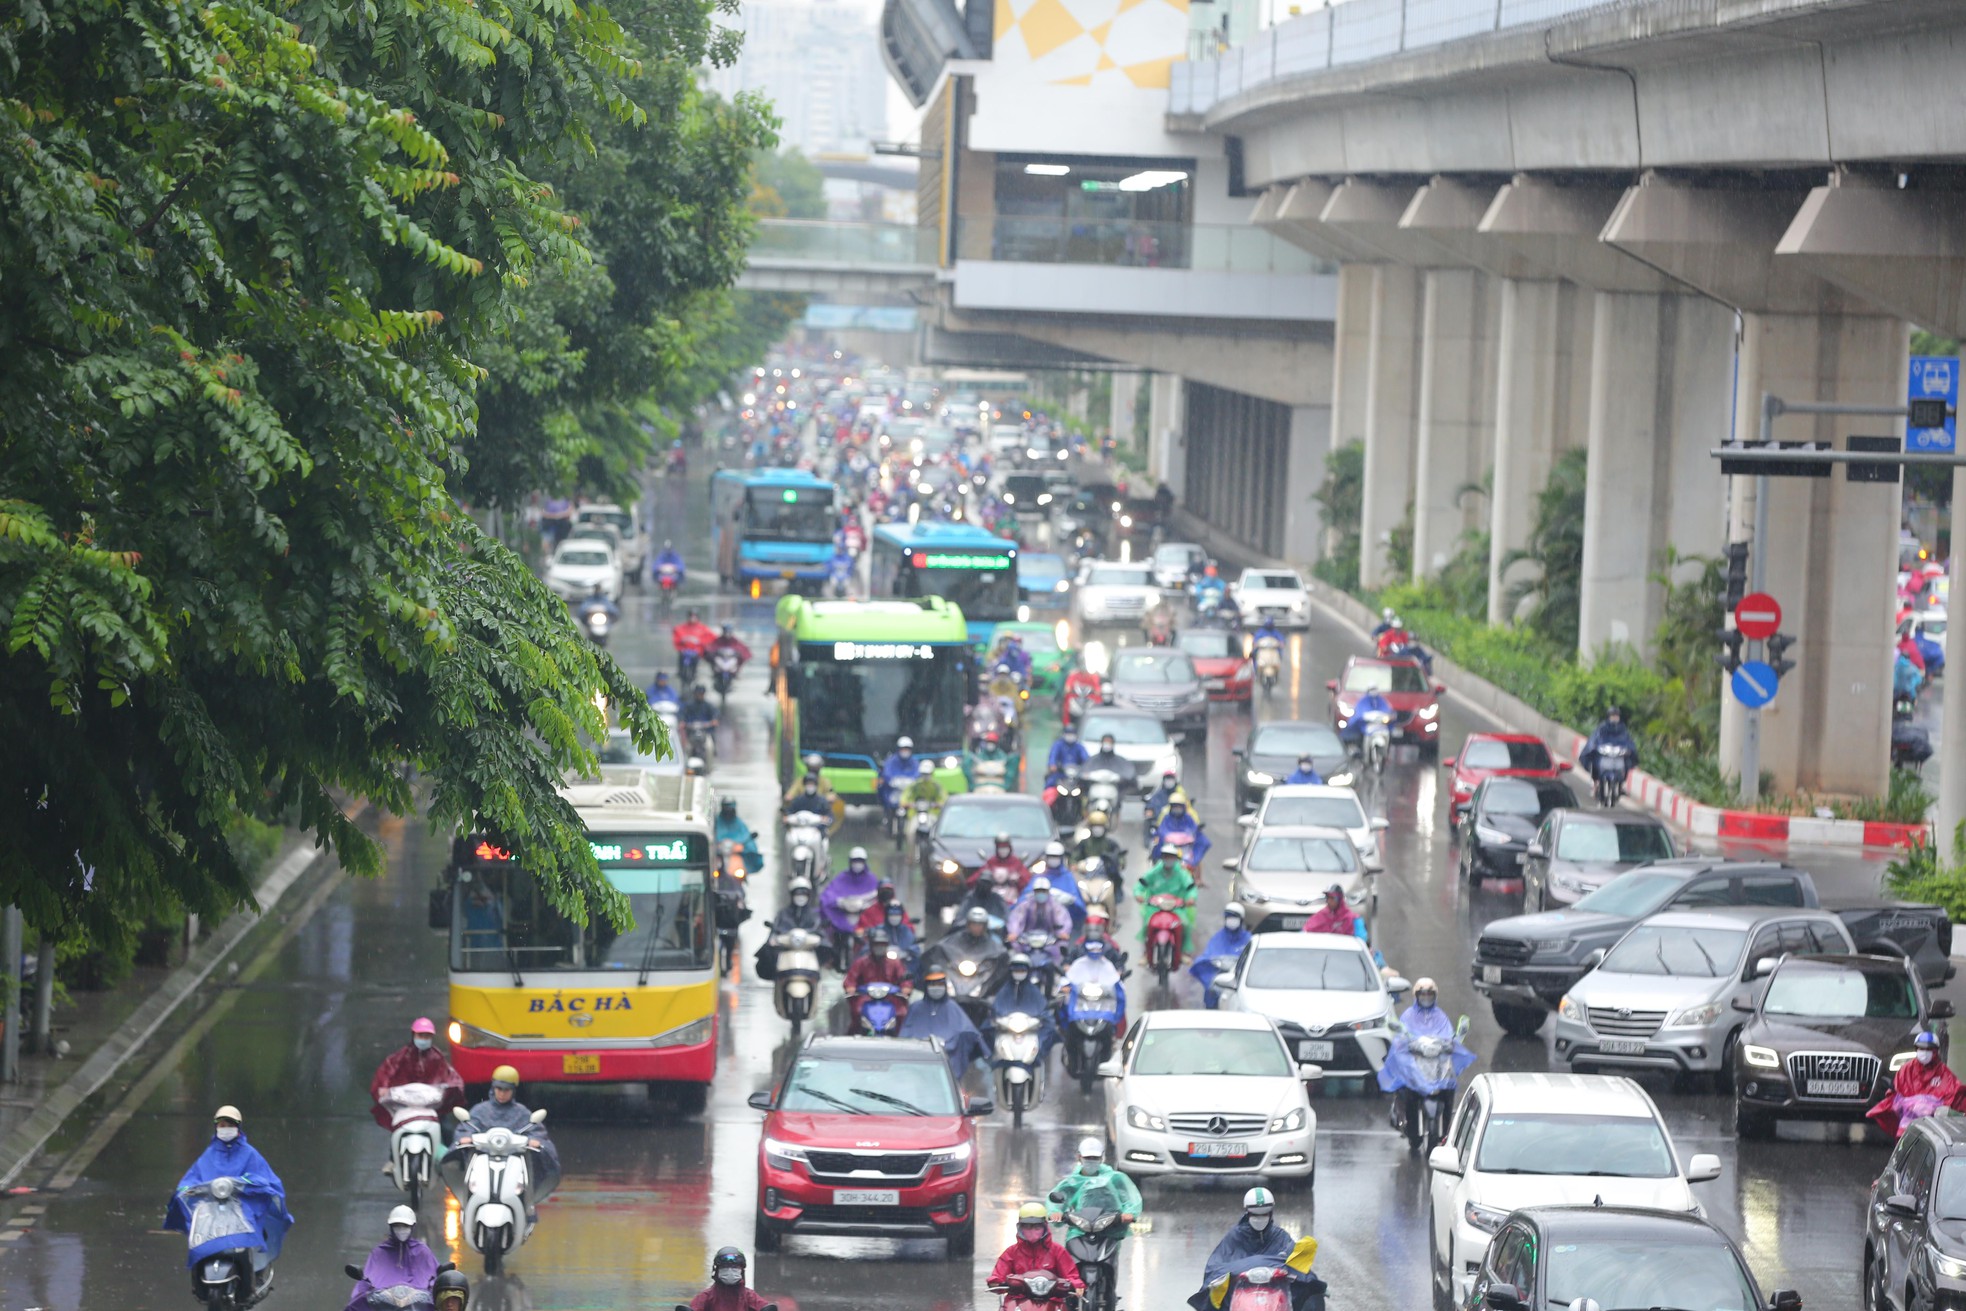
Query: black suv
(1914, 1245)
(1616, 1256)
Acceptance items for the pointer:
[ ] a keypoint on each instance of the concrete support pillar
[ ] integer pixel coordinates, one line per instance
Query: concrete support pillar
(1952, 722)
(1120, 418)
(1457, 409)
(1167, 439)
(1303, 525)
(1831, 553)
(1661, 387)
(1392, 372)
(1542, 403)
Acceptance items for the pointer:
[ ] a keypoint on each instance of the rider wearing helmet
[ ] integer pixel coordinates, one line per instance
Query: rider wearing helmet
(1169, 877)
(1021, 995)
(856, 880)
(1066, 753)
(1306, 771)
(1098, 1182)
(1423, 1019)
(400, 1260)
(727, 1291)
(420, 1060)
(1004, 871)
(1064, 883)
(1611, 732)
(1035, 1251)
(1099, 844)
(730, 828)
(897, 771)
(1227, 944)
(504, 1110)
(1255, 1239)
(1041, 911)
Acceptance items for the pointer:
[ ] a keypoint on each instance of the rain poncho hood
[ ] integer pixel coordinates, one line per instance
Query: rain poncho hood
(945, 1020)
(393, 1263)
(261, 1196)
(1420, 1022)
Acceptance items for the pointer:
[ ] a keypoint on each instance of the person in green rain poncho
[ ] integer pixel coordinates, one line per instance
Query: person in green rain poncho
(1095, 1183)
(1169, 877)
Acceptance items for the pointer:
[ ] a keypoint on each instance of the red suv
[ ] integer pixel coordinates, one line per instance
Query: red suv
(1401, 680)
(869, 1137)
(1486, 755)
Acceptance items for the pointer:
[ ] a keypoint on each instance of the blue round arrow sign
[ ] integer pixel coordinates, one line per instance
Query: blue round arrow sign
(1755, 683)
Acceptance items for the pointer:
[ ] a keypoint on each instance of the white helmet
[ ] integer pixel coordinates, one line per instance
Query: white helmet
(1259, 1199)
(1234, 908)
(1424, 984)
(402, 1215)
(904, 741)
(858, 853)
(1054, 848)
(1090, 1148)
(1040, 884)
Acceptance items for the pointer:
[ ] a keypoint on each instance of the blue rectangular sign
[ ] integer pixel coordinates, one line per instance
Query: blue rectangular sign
(1934, 375)
(865, 318)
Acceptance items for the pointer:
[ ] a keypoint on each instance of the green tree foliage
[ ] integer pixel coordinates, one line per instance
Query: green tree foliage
(1556, 549)
(785, 184)
(249, 254)
(1342, 498)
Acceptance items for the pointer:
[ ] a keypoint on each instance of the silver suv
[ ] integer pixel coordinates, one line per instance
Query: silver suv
(1162, 682)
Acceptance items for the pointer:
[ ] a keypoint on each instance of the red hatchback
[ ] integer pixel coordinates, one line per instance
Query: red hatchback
(1401, 680)
(869, 1137)
(1218, 656)
(1488, 755)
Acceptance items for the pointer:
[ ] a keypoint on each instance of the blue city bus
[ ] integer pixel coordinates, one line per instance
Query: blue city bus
(768, 524)
(962, 563)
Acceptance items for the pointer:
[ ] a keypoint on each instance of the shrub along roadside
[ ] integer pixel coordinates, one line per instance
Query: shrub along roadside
(1920, 873)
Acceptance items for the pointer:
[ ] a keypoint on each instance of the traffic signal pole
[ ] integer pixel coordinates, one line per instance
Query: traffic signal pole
(1757, 582)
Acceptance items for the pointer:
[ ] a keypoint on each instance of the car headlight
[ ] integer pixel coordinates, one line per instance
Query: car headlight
(1898, 1062)
(1258, 778)
(1064, 585)
(1764, 1057)
(470, 1035)
(1126, 521)
(1950, 1267)
(1290, 1123)
(1343, 780)
(1551, 948)
(1694, 1017)
(780, 1156)
(1488, 1219)
(1487, 834)
(1140, 1119)
(951, 1155)
(1568, 882)
(1571, 1010)
(1427, 712)
(951, 867)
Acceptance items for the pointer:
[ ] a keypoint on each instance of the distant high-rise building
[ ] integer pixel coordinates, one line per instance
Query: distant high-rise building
(819, 62)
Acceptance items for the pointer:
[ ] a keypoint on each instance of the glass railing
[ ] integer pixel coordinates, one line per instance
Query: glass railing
(1133, 244)
(895, 244)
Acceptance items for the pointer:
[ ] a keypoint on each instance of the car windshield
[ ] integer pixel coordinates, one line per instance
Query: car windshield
(1384, 678)
(1295, 740)
(1634, 895)
(1024, 486)
(1125, 730)
(1514, 796)
(1620, 1275)
(1115, 575)
(503, 921)
(789, 515)
(1315, 812)
(1255, 582)
(1208, 643)
(1038, 641)
(1152, 667)
(870, 1087)
(1311, 970)
(1613, 844)
(1302, 855)
(1832, 992)
(1252, 1053)
(1040, 568)
(591, 559)
(1675, 950)
(1624, 1146)
(1490, 753)
(960, 821)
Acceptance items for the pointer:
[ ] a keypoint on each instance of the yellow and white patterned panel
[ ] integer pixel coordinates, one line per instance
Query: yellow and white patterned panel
(1092, 43)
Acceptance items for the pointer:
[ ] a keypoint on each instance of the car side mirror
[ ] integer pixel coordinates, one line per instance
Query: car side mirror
(1702, 1168)
(1744, 1004)
(759, 1101)
(1310, 1072)
(1109, 1069)
(1502, 1297)
(1232, 863)
(1331, 685)
(1901, 1204)
(1380, 824)
(1595, 959)
(1396, 985)
(1786, 1300)
(975, 1106)
(1535, 847)
(1224, 983)
(1237, 752)
(1440, 689)
(1246, 821)
(1563, 766)
(1448, 762)
(1941, 1010)
(1764, 967)
(1444, 1160)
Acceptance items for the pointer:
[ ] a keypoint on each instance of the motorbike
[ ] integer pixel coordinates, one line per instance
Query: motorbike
(699, 739)
(991, 777)
(1042, 948)
(723, 672)
(732, 911)
(495, 1188)
(449, 1291)
(1076, 703)
(796, 989)
(1261, 1288)
(1422, 1113)
(595, 622)
(879, 1011)
(1099, 886)
(805, 841)
(1035, 1291)
(226, 1279)
(1159, 626)
(667, 580)
(1613, 764)
(1224, 966)
(924, 829)
(1102, 791)
(845, 943)
(1269, 663)
(678, 464)
(1093, 1016)
(1096, 1248)
(1019, 1063)
(1068, 800)
(1165, 932)
(973, 978)
(688, 660)
(1377, 743)
(413, 1136)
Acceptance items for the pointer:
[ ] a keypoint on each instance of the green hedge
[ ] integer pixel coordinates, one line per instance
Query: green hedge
(1923, 874)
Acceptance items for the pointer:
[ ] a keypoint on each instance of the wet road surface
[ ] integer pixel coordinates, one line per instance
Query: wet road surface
(648, 1197)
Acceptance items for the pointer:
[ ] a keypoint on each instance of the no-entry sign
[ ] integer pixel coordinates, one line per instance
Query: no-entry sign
(1758, 616)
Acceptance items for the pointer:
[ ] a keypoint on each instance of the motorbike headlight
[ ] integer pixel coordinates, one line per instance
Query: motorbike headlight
(1427, 712)
(1140, 1119)
(780, 1156)
(1950, 1267)
(1488, 1219)
(1258, 778)
(967, 969)
(1494, 835)
(1290, 1123)
(1343, 780)
(955, 1155)
(951, 867)
(1694, 1017)
(1571, 1010)
(1765, 1057)
(1126, 521)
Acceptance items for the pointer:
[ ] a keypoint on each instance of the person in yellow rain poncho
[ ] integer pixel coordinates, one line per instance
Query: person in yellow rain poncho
(1257, 1243)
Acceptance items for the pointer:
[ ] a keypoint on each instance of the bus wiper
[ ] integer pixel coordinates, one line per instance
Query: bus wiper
(871, 1095)
(512, 963)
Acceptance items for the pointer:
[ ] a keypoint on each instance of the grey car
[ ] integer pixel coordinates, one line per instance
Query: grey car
(1576, 852)
(1272, 753)
(1161, 682)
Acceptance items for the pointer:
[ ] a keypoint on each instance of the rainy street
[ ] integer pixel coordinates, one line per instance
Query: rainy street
(648, 1196)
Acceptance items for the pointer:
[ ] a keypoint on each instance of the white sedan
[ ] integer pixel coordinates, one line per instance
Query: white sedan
(1111, 592)
(1325, 994)
(579, 563)
(1279, 593)
(1211, 1093)
(1325, 805)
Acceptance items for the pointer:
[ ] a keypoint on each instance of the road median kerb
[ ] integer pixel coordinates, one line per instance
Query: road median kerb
(20, 1146)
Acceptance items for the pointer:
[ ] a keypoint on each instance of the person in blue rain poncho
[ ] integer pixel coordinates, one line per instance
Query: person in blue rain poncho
(1423, 1019)
(1179, 819)
(1258, 1240)
(938, 1015)
(730, 828)
(1021, 995)
(1306, 772)
(1229, 940)
(259, 1191)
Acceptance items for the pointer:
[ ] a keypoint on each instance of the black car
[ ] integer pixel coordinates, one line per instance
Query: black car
(1503, 815)
(1139, 523)
(1617, 1256)
(965, 837)
(1028, 494)
(1828, 1036)
(1915, 1225)
(1272, 752)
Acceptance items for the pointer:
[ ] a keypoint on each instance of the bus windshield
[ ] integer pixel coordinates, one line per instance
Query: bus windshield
(770, 517)
(502, 922)
(983, 595)
(861, 703)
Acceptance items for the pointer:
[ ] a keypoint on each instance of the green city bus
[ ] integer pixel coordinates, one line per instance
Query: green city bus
(853, 676)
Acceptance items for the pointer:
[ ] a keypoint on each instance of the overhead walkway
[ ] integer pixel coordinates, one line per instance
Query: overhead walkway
(823, 257)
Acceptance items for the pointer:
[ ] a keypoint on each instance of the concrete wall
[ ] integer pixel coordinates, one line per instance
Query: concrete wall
(1121, 293)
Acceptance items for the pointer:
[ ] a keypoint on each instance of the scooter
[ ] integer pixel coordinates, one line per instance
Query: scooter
(732, 910)
(1068, 800)
(1033, 1291)
(1613, 764)
(723, 672)
(1096, 1248)
(844, 945)
(991, 777)
(973, 978)
(1094, 1015)
(1076, 703)
(226, 1278)
(1042, 948)
(1165, 932)
(840, 579)
(449, 1291)
(1262, 1288)
(1099, 888)
(1421, 1113)
(1020, 1066)
(699, 739)
(595, 622)
(688, 659)
(413, 1136)
(1269, 663)
(1378, 741)
(667, 580)
(795, 990)
(924, 829)
(1102, 791)
(879, 1011)
(497, 1189)
(805, 841)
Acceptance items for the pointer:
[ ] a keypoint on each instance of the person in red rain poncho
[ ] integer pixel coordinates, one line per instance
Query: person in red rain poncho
(1922, 1087)
(419, 1062)
(693, 634)
(727, 1291)
(1334, 916)
(1035, 1250)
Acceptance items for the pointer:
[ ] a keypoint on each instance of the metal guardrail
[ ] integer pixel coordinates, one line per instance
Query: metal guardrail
(857, 245)
(1125, 243)
(1354, 32)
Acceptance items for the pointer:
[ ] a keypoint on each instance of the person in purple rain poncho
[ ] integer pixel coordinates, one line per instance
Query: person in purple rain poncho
(400, 1260)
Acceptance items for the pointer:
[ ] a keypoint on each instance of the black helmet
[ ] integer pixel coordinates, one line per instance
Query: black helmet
(728, 805)
(726, 1258)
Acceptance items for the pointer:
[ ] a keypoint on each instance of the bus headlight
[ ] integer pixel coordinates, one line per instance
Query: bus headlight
(690, 1035)
(470, 1035)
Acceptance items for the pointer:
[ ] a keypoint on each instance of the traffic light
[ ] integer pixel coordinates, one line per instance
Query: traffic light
(1778, 645)
(1736, 554)
(1729, 658)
